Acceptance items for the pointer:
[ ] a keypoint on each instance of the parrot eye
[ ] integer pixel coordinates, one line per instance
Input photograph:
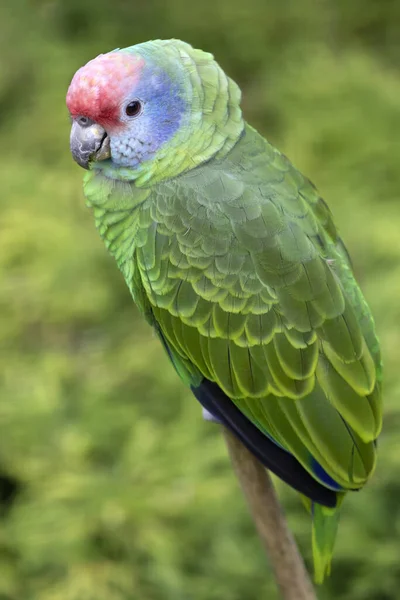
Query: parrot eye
(133, 108)
(84, 121)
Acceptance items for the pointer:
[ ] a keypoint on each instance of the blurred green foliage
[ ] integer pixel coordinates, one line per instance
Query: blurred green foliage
(111, 485)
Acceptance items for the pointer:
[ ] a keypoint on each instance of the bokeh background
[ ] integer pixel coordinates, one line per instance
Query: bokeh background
(111, 485)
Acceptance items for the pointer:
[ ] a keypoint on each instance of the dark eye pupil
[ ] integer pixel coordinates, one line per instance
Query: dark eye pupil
(133, 108)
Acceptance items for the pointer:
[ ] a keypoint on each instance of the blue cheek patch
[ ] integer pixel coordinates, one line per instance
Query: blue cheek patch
(165, 105)
(161, 118)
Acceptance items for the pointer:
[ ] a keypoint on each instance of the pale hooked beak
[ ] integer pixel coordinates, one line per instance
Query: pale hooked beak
(88, 142)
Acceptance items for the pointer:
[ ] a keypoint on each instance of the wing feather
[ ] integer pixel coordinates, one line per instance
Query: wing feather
(249, 281)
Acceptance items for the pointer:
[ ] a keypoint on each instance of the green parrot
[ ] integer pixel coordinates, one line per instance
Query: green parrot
(234, 259)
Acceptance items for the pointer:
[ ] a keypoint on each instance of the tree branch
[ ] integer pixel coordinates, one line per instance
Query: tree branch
(287, 564)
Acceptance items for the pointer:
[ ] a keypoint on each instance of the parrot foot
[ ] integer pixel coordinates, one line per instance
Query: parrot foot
(207, 416)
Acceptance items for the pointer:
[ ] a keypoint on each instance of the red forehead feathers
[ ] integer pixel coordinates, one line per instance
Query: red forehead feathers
(97, 89)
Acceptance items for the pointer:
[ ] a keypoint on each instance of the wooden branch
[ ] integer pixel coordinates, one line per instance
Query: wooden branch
(288, 566)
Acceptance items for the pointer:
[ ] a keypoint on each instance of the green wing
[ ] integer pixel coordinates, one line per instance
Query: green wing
(251, 288)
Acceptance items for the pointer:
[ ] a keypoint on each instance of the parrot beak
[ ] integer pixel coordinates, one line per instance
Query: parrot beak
(88, 142)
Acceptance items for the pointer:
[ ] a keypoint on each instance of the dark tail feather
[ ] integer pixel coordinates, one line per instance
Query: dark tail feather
(272, 456)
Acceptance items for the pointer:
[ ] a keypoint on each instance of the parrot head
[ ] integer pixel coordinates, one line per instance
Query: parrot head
(152, 104)
(123, 106)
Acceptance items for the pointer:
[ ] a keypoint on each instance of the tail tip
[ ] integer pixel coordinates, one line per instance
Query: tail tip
(322, 569)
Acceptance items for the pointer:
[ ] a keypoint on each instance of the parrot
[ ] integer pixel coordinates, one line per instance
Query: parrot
(234, 259)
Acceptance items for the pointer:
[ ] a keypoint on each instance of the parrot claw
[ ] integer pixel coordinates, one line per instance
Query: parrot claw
(207, 416)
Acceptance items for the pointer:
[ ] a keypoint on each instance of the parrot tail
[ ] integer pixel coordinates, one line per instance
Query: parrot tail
(325, 523)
